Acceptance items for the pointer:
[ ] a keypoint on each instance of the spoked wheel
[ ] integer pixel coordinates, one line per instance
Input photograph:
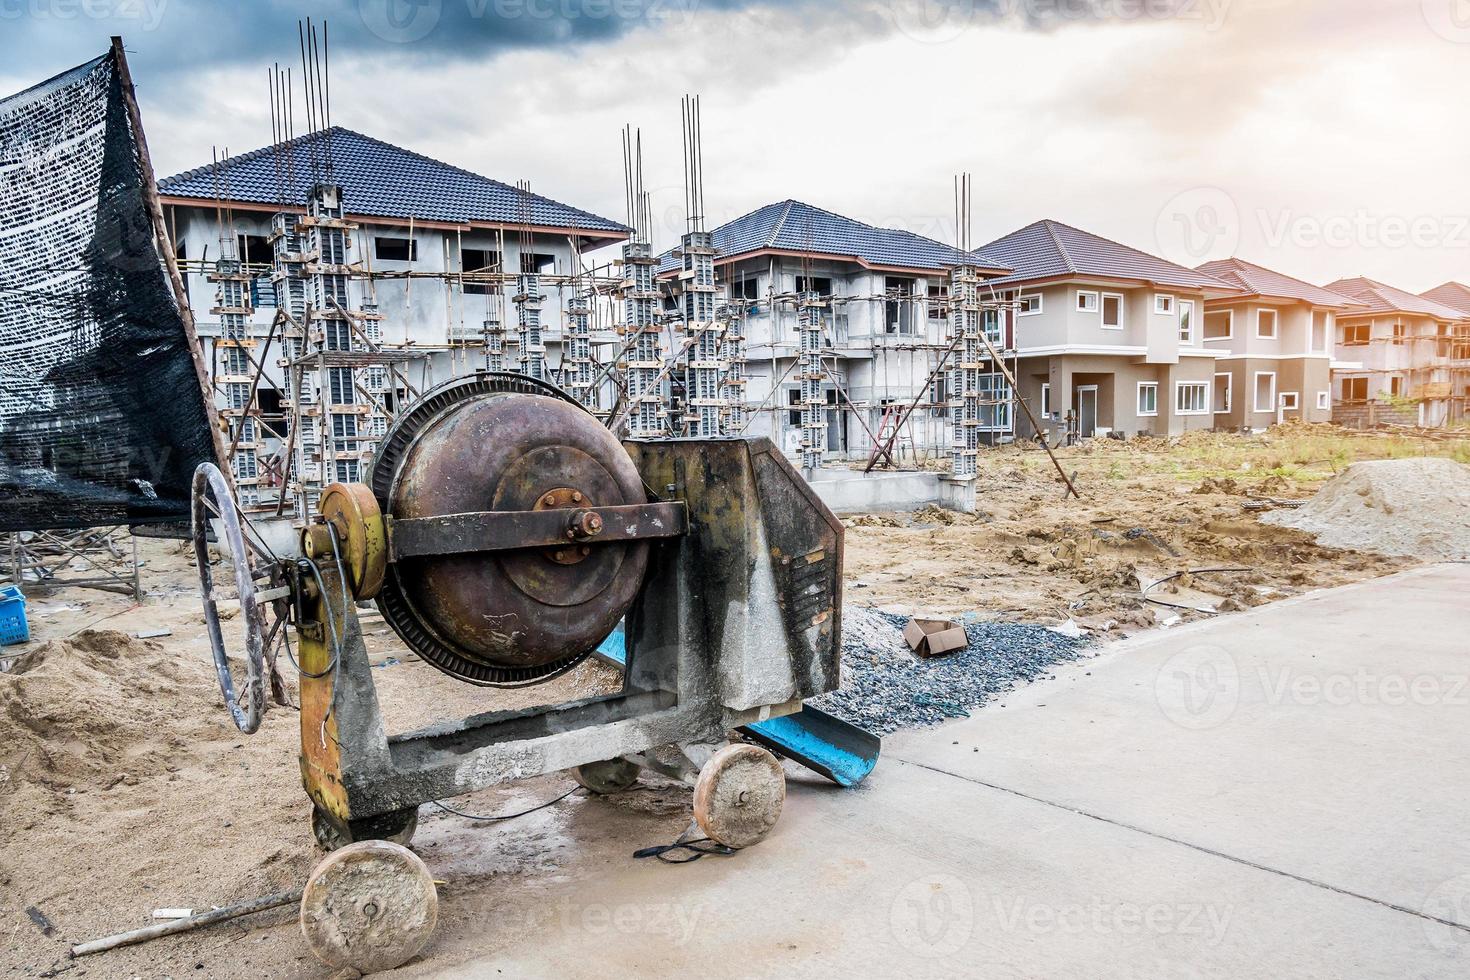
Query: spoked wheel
(371, 906)
(255, 582)
(739, 795)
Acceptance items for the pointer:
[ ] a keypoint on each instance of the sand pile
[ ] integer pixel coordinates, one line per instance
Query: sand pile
(1417, 508)
(99, 708)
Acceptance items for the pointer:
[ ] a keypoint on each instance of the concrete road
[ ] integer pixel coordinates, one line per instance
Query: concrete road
(1279, 793)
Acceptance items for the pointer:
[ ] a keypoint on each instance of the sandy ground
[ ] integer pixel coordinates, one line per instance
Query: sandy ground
(125, 788)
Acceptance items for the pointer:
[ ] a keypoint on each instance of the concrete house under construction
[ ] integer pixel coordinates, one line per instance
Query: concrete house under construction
(883, 301)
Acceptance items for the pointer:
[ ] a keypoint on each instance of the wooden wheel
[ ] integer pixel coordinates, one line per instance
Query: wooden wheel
(370, 906)
(608, 777)
(739, 795)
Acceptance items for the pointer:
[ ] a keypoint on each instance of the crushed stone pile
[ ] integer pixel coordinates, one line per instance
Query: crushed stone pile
(1414, 508)
(100, 707)
(885, 687)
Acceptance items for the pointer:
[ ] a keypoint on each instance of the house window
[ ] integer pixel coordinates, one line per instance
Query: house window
(938, 397)
(1186, 322)
(1290, 401)
(478, 261)
(793, 414)
(342, 390)
(1219, 325)
(1112, 311)
(1355, 335)
(1396, 387)
(337, 335)
(1266, 324)
(344, 426)
(745, 289)
(1321, 329)
(990, 326)
(995, 403)
(347, 471)
(532, 262)
(396, 249)
(898, 311)
(1029, 305)
(1265, 391)
(1223, 385)
(821, 285)
(1192, 398)
(1324, 399)
(1046, 399)
(255, 249)
(938, 301)
(1163, 304)
(1400, 334)
(1148, 398)
(1354, 389)
(1086, 301)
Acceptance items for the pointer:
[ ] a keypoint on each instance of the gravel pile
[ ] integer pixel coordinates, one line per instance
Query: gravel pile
(1418, 508)
(885, 687)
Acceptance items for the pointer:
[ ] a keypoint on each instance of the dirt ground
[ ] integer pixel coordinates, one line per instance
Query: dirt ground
(124, 787)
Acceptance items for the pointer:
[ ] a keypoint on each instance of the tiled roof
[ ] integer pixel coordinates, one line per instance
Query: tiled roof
(1454, 294)
(1377, 297)
(796, 227)
(1051, 250)
(380, 180)
(1260, 281)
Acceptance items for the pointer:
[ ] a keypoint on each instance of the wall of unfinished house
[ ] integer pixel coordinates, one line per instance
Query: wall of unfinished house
(881, 353)
(1394, 367)
(1275, 362)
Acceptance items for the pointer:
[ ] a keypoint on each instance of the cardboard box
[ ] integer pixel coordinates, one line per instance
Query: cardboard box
(931, 637)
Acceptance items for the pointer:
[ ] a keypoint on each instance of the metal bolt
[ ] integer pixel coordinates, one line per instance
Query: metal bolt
(560, 556)
(576, 497)
(586, 551)
(549, 500)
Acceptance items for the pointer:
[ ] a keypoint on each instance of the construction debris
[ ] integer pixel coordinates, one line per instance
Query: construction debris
(1417, 508)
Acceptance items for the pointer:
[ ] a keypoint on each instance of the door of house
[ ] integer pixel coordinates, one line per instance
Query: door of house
(1087, 411)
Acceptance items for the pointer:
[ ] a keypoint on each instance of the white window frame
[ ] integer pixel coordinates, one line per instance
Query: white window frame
(1275, 323)
(1324, 399)
(1296, 401)
(1102, 300)
(1229, 392)
(1329, 325)
(1085, 294)
(1180, 306)
(1164, 304)
(1021, 301)
(1205, 402)
(1138, 403)
(1046, 399)
(1256, 391)
(1229, 331)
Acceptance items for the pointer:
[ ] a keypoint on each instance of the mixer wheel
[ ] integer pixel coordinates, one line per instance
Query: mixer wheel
(607, 777)
(397, 827)
(739, 795)
(370, 906)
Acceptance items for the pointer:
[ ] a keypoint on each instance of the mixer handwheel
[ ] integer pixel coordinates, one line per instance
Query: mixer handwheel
(739, 795)
(371, 906)
(254, 584)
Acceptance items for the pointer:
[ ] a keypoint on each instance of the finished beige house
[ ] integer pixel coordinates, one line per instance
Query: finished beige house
(1107, 338)
(1275, 341)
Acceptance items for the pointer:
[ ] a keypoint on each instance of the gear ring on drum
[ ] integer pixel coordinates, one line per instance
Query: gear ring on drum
(246, 707)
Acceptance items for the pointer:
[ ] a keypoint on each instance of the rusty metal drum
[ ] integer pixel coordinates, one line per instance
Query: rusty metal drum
(507, 443)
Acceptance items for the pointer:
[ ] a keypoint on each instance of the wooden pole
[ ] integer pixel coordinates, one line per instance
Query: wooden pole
(165, 249)
(186, 925)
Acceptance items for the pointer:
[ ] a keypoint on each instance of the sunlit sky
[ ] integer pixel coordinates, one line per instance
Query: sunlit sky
(1324, 138)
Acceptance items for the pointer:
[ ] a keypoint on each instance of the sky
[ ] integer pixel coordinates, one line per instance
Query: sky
(1322, 138)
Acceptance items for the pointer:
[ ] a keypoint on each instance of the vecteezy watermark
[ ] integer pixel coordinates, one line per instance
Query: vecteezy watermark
(1450, 904)
(1202, 922)
(407, 21)
(1198, 687)
(1197, 225)
(933, 916)
(148, 14)
(1363, 687)
(938, 21)
(673, 921)
(1450, 19)
(1363, 229)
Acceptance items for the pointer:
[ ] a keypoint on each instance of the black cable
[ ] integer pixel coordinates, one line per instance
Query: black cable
(506, 816)
(661, 851)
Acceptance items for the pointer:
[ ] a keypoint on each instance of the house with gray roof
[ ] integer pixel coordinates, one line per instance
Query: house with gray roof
(884, 292)
(1106, 338)
(1397, 357)
(1276, 340)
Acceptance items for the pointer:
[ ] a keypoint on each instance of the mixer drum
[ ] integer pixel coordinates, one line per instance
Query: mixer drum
(506, 443)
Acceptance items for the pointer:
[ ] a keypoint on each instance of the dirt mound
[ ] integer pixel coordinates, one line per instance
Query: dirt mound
(98, 708)
(1417, 508)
